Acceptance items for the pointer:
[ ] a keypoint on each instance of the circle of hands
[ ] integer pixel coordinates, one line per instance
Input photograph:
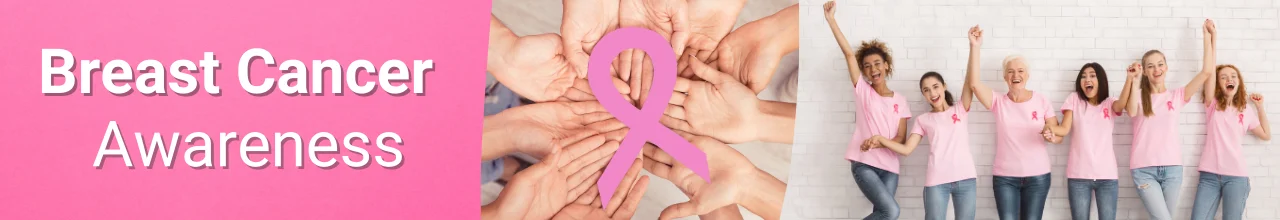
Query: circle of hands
(720, 72)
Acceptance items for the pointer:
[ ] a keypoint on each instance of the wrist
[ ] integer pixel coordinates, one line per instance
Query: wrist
(489, 211)
(766, 195)
(774, 120)
(501, 40)
(495, 138)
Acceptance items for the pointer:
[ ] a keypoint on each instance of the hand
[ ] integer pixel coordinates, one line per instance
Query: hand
(1210, 29)
(1047, 134)
(1135, 70)
(548, 186)
(975, 36)
(667, 17)
(584, 23)
(872, 143)
(535, 67)
(829, 9)
(746, 54)
(711, 22)
(719, 107)
(635, 68)
(731, 175)
(1257, 99)
(621, 206)
(541, 128)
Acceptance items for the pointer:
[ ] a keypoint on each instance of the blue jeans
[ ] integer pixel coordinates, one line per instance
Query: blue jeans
(879, 186)
(1021, 197)
(490, 170)
(1214, 189)
(1159, 188)
(964, 194)
(1082, 191)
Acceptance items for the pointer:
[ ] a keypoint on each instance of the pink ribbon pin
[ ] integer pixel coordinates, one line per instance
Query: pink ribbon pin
(1170, 104)
(1034, 117)
(1241, 118)
(1106, 114)
(955, 118)
(644, 121)
(895, 108)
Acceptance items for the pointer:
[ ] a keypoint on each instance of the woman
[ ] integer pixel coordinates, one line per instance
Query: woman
(880, 112)
(1155, 159)
(1223, 179)
(1091, 162)
(1021, 166)
(951, 173)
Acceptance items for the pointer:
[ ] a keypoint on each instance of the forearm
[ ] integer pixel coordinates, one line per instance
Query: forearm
(765, 197)
(776, 122)
(489, 212)
(723, 213)
(1266, 125)
(495, 141)
(904, 147)
(1121, 104)
(1134, 102)
(855, 74)
(500, 39)
(787, 40)
(1063, 128)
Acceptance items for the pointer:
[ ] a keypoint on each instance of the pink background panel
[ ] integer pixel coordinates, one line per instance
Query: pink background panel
(49, 142)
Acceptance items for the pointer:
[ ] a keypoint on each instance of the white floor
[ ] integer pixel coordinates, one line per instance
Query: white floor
(526, 17)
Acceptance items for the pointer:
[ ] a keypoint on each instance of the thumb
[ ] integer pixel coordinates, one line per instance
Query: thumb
(680, 29)
(704, 71)
(679, 210)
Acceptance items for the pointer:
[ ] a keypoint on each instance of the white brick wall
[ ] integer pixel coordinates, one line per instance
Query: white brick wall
(1058, 37)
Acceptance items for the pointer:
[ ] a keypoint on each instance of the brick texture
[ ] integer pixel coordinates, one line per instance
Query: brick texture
(1057, 37)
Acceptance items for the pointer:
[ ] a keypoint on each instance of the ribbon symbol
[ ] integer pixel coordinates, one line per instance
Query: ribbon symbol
(1170, 104)
(1106, 114)
(895, 108)
(644, 121)
(1033, 115)
(955, 118)
(1242, 118)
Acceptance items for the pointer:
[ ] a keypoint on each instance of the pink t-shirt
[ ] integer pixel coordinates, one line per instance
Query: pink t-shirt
(1156, 141)
(1221, 153)
(877, 115)
(948, 133)
(1092, 155)
(1020, 149)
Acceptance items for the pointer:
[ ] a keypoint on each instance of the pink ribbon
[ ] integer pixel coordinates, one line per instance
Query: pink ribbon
(644, 121)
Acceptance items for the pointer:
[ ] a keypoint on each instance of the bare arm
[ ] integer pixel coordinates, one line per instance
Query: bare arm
(1050, 123)
(1120, 105)
(972, 85)
(1210, 60)
(855, 73)
(904, 148)
(1206, 72)
(1264, 129)
(1064, 128)
(1135, 99)
(902, 131)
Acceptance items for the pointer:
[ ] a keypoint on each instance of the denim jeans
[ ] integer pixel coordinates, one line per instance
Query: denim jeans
(1214, 189)
(1021, 197)
(879, 186)
(964, 194)
(490, 170)
(1159, 188)
(1081, 191)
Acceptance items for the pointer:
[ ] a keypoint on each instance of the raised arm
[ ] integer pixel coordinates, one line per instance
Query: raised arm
(1135, 97)
(855, 73)
(1264, 129)
(1210, 59)
(904, 148)
(1199, 82)
(972, 85)
(1130, 81)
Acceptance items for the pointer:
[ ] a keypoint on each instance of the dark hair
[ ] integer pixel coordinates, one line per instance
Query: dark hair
(935, 75)
(1103, 89)
(875, 47)
(1146, 85)
(1239, 99)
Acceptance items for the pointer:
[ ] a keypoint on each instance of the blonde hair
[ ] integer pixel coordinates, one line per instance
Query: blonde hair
(1009, 59)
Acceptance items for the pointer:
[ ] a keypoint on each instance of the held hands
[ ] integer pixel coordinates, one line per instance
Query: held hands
(1210, 30)
(719, 107)
(621, 206)
(545, 188)
(1134, 71)
(873, 143)
(975, 36)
